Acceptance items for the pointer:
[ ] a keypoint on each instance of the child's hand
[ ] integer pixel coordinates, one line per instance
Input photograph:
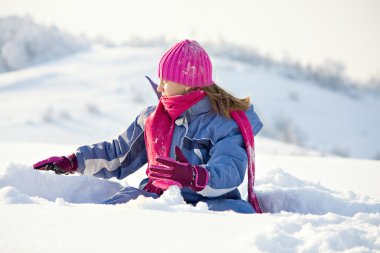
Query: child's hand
(178, 172)
(60, 165)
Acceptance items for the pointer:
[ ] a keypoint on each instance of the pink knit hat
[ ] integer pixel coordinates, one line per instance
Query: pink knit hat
(186, 63)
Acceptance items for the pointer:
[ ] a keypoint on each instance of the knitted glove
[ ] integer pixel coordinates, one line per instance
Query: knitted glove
(60, 165)
(178, 172)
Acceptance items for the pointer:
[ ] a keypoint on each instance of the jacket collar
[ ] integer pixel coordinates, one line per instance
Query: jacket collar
(202, 107)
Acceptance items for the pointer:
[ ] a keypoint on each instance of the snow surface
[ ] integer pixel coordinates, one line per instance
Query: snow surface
(44, 212)
(314, 201)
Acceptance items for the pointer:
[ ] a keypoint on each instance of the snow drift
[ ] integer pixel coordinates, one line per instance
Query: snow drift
(24, 43)
(277, 191)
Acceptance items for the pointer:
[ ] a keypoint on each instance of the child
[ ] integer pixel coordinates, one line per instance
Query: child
(198, 137)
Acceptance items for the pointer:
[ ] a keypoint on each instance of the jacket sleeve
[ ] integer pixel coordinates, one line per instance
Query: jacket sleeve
(227, 165)
(118, 158)
(228, 162)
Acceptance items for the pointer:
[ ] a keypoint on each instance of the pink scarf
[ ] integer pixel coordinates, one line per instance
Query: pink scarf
(248, 135)
(159, 127)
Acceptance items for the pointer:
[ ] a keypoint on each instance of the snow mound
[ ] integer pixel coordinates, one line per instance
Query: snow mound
(314, 233)
(22, 183)
(280, 191)
(171, 201)
(24, 43)
(277, 191)
(10, 195)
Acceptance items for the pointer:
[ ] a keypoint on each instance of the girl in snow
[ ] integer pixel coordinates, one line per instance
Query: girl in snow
(199, 138)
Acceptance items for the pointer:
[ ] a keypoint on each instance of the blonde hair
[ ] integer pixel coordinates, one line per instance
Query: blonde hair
(223, 102)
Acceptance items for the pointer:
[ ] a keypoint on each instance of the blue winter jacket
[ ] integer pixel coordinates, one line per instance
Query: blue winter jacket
(205, 137)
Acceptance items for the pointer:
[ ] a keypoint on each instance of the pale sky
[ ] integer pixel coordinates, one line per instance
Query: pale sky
(312, 31)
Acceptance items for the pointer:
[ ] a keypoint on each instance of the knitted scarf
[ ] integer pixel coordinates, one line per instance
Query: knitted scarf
(159, 127)
(248, 135)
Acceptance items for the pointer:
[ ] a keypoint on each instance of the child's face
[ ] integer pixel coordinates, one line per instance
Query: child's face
(168, 88)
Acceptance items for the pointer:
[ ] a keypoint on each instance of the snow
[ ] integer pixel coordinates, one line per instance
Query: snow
(24, 43)
(120, 229)
(308, 115)
(314, 201)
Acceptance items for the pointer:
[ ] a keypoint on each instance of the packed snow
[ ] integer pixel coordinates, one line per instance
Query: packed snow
(314, 198)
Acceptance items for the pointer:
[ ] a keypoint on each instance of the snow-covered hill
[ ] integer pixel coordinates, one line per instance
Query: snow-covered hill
(315, 201)
(69, 96)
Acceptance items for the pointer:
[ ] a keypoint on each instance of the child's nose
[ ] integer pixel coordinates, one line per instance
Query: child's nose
(160, 87)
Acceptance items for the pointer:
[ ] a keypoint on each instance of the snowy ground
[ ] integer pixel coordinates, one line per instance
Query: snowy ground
(314, 201)
(312, 204)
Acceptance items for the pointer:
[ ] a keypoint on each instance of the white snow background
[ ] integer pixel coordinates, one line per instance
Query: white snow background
(314, 175)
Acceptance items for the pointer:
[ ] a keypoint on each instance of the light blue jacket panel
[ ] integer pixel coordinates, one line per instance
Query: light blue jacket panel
(118, 158)
(206, 139)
